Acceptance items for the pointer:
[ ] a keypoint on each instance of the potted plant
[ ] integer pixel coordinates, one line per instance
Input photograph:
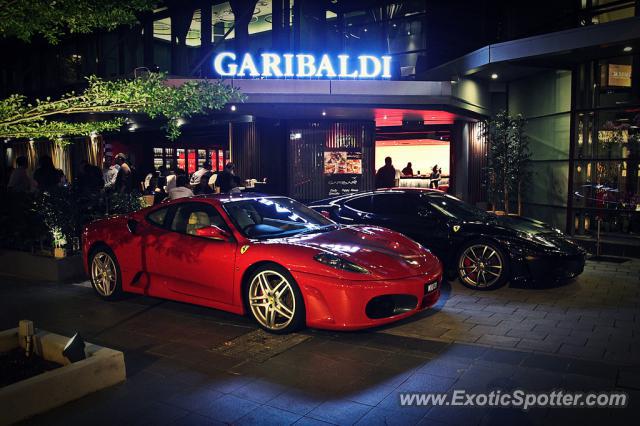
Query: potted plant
(59, 243)
(508, 160)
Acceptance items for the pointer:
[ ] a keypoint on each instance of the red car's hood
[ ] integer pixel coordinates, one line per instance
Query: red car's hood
(386, 254)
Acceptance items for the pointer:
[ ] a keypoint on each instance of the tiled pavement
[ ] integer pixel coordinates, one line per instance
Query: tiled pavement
(180, 370)
(596, 316)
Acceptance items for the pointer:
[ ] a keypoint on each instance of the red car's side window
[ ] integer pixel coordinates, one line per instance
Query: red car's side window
(158, 217)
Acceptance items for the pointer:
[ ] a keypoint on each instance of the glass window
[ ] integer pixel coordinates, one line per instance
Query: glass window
(190, 217)
(157, 217)
(607, 83)
(362, 204)
(393, 204)
(452, 207)
(606, 168)
(275, 217)
(615, 135)
(195, 30)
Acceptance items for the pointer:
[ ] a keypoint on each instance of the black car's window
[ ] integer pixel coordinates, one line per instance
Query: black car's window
(189, 217)
(394, 204)
(362, 204)
(454, 208)
(157, 217)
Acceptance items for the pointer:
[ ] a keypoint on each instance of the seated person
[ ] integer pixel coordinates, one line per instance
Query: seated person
(181, 189)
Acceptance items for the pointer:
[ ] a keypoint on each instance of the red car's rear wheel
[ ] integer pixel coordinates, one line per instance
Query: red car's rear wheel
(274, 300)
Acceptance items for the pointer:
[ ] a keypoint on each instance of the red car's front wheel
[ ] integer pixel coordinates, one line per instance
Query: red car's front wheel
(274, 300)
(105, 273)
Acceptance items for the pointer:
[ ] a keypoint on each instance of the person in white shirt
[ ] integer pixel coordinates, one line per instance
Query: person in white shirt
(110, 173)
(200, 179)
(197, 175)
(171, 180)
(181, 190)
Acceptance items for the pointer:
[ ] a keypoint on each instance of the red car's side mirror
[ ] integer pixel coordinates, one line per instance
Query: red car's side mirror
(213, 232)
(325, 214)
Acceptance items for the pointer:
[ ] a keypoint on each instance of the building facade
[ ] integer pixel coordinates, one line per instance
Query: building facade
(569, 67)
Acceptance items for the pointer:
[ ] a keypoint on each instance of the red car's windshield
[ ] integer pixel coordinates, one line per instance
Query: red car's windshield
(274, 217)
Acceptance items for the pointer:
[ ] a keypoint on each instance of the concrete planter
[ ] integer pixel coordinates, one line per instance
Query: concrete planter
(20, 264)
(102, 368)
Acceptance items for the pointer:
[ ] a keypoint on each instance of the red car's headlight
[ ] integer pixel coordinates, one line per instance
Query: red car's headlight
(339, 263)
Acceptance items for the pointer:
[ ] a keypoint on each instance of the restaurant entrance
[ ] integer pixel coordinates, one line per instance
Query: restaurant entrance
(421, 154)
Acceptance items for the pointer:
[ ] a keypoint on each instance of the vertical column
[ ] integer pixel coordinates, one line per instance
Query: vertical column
(243, 12)
(205, 36)
(147, 41)
(575, 90)
(460, 140)
(280, 25)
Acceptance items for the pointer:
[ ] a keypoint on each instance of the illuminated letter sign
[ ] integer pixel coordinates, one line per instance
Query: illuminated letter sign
(302, 65)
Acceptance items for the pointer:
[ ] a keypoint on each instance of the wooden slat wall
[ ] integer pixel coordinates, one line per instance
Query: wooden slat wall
(246, 150)
(478, 146)
(305, 156)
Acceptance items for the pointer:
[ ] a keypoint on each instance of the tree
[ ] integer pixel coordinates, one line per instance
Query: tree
(149, 94)
(51, 19)
(508, 159)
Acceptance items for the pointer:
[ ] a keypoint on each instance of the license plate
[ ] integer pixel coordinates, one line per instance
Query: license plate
(432, 286)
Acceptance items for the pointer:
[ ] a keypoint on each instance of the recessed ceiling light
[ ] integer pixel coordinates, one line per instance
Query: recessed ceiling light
(494, 76)
(408, 33)
(233, 108)
(365, 30)
(324, 113)
(627, 49)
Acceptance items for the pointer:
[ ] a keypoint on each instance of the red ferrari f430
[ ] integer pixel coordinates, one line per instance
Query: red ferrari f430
(269, 256)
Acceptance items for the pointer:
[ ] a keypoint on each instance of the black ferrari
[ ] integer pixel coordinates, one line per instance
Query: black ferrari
(484, 250)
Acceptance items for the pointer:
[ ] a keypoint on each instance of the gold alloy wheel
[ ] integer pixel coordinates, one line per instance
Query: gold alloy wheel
(480, 265)
(272, 300)
(103, 274)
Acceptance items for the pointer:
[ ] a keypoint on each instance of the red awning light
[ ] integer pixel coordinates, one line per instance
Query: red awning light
(395, 117)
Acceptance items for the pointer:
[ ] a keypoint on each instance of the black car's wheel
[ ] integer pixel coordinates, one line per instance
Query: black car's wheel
(482, 265)
(274, 300)
(105, 273)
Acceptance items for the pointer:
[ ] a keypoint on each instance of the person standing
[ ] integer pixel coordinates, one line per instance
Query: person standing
(435, 177)
(90, 180)
(227, 180)
(124, 178)
(170, 178)
(386, 175)
(47, 176)
(20, 181)
(109, 174)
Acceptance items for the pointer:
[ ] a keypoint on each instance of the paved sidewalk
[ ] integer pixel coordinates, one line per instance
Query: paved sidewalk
(188, 365)
(596, 316)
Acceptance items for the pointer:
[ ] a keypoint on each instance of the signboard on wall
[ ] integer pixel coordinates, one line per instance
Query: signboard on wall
(343, 184)
(619, 75)
(301, 65)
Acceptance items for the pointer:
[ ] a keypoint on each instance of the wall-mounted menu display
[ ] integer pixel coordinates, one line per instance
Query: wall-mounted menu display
(342, 162)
